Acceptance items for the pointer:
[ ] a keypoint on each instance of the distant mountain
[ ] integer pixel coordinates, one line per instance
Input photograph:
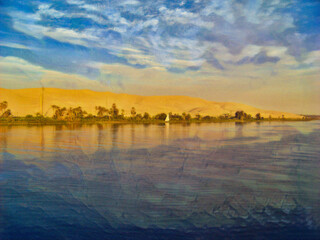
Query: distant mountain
(28, 101)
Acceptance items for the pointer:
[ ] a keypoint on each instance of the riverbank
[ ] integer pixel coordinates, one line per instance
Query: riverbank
(51, 121)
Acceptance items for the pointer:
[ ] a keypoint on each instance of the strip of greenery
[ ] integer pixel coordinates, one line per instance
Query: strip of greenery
(62, 115)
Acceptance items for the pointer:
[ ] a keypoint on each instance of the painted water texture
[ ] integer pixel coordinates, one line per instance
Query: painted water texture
(161, 181)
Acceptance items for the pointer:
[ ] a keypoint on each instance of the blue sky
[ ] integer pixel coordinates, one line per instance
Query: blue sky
(263, 53)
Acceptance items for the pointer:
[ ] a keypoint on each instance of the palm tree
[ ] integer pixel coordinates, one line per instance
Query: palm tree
(6, 113)
(75, 113)
(70, 114)
(101, 111)
(114, 111)
(62, 112)
(78, 112)
(58, 112)
(55, 109)
(3, 106)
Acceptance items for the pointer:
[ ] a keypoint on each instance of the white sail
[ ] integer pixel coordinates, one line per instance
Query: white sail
(167, 118)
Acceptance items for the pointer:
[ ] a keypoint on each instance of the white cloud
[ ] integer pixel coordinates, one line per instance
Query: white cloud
(151, 22)
(130, 2)
(46, 9)
(26, 23)
(184, 17)
(313, 58)
(221, 8)
(68, 35)
(30, 29)
(18, 68)
(180, 63)
(222, 53)
(60, 34)
(91, 7)
(24, 17)
(276, 51)
(19, 72)
(76, 2)
(13, 45)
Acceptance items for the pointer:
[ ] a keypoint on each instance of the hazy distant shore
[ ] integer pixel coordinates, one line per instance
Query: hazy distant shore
(52, 106)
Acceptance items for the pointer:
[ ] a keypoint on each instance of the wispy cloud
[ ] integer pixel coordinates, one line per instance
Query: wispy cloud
(181, 37)
(167, 28)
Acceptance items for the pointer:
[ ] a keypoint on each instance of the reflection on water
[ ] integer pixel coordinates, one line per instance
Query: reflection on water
(169, 181)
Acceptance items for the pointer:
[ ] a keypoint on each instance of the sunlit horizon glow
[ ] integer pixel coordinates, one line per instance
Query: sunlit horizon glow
(264, 53)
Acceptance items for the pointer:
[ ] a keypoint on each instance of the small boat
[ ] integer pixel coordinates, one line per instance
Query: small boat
(167, 118)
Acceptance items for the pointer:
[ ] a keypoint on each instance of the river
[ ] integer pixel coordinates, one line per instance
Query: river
(161, 181)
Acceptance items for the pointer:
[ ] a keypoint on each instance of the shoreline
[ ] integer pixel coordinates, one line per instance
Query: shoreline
(45, 122)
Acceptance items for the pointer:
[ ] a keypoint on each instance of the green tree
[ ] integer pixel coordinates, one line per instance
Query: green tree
(101, 111)
(75, 113)
(3, 106)
(114, 111)
(258, 116)
(58, 112)
(176, 117)
(146, 116)
(133, 112)
(240, 114)
(122, 113)
(138, 117)
(70, 114)
(207, 118)
(54, 108)
(79, 113)
(160, 116)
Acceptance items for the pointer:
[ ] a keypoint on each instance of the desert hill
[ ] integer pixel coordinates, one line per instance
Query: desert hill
(28, 101)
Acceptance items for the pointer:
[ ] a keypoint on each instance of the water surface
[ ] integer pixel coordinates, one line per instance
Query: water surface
(167, 181)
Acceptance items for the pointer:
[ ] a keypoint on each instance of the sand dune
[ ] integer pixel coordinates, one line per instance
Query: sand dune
(27, 101)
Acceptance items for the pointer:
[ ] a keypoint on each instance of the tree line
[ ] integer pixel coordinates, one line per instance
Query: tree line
(113, 113)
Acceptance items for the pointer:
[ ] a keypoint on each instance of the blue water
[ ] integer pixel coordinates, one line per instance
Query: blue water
(167, 181)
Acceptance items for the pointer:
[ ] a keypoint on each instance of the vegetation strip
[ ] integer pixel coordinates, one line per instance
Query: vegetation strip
(63, 115)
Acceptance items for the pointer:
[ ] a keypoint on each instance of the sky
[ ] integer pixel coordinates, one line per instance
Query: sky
(265, 53)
